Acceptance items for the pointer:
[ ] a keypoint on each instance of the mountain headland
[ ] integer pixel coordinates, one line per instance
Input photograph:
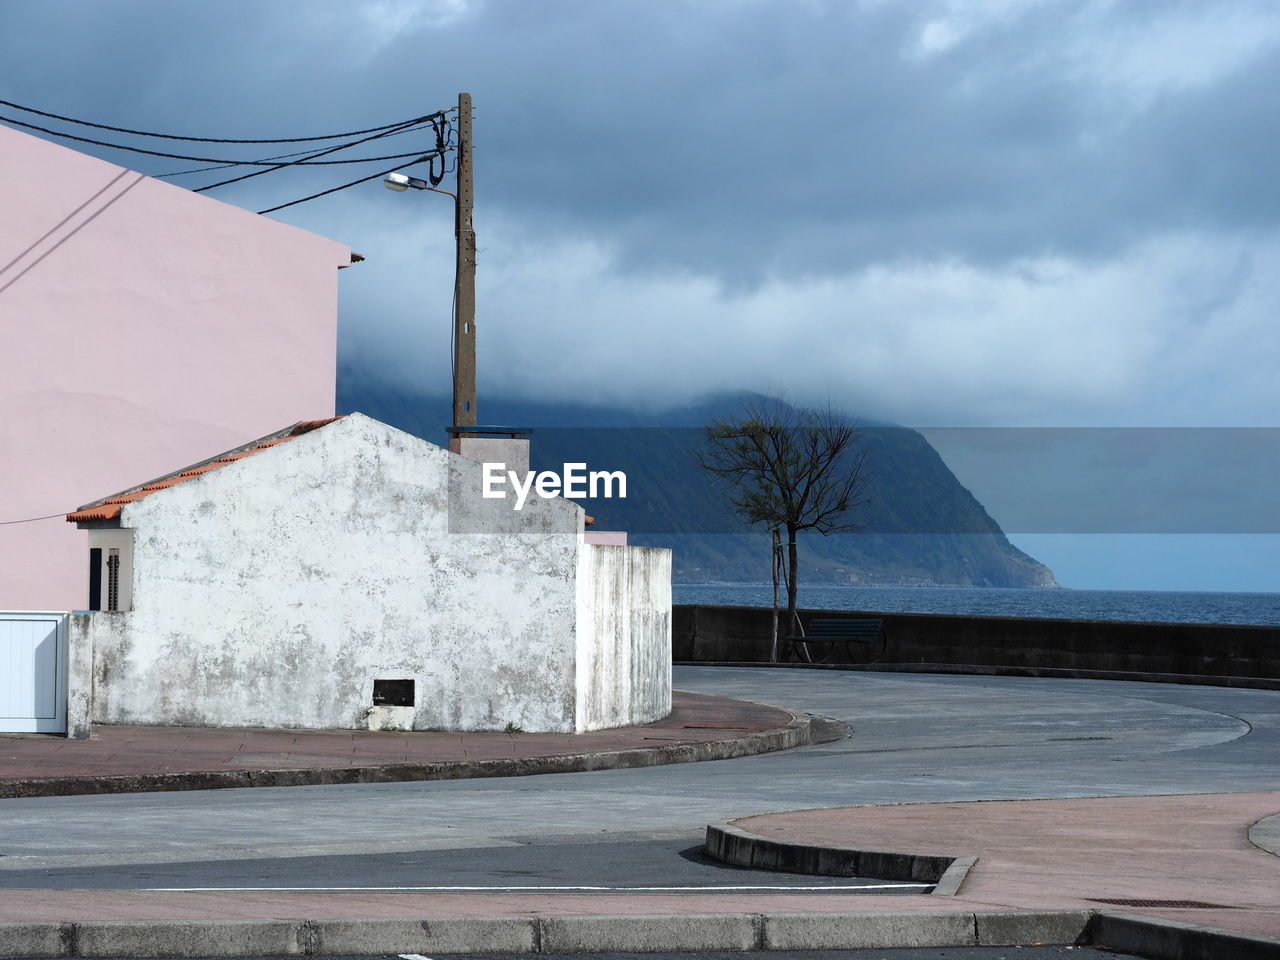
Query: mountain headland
(919, 526)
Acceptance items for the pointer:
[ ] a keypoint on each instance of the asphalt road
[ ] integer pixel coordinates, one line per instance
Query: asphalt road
(916, 739)
(618, 868)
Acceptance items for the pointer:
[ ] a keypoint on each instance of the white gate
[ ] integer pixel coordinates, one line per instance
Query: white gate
(33, 672)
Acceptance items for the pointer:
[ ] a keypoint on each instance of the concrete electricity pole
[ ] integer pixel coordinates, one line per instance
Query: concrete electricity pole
(464, 323)
(509, 445)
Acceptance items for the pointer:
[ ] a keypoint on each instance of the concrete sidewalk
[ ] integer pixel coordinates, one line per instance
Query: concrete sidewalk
(128, 759)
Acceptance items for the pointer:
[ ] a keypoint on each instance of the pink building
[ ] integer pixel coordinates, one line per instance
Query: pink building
(142, 326)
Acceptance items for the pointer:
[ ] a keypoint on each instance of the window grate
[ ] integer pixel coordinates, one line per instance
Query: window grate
(113, 580)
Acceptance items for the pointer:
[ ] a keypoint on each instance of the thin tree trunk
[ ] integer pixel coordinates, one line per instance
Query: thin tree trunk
(775, 558)
(792, 618)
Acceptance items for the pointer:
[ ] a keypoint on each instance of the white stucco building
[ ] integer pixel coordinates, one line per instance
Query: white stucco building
(344, 574)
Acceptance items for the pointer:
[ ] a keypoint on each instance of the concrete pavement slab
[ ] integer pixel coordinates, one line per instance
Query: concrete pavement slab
(837, 931)
(630, 932)
(34, 939)
(428, 936)
(1014, 929)
(207, 938)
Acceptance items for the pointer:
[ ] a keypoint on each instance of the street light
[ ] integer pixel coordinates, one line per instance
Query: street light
(402, 181)
(399, 181)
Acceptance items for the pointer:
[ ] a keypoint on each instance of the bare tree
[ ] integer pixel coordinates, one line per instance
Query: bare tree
(789, 469)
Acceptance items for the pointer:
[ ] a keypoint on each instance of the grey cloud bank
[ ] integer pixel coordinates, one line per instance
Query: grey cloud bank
(1001, 214)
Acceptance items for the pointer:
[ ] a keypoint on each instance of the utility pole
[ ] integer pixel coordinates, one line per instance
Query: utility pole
(464, 323)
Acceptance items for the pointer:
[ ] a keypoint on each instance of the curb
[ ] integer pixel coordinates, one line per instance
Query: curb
(734, 846)
(534, 935)
(1159, 939)
(1174, 940)
(797, 733)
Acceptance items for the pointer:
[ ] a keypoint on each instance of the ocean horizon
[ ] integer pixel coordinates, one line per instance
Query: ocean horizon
(1152, 606)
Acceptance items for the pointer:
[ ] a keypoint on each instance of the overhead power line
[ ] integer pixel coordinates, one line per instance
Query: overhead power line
(296, 153)
(271, 168)
(170, 136)
(324, 193)
(301, 163)
(8, 523)
(174, 156)
(436, 122)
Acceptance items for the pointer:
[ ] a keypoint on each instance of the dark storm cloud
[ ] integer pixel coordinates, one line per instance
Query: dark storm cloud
(740, 139)
(990, 212)
(1049, 211)
(743, 139)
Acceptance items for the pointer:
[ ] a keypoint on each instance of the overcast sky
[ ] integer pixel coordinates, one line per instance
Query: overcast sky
(937, 213)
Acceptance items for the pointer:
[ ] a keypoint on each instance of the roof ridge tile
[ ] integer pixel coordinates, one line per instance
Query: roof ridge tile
(108, 508)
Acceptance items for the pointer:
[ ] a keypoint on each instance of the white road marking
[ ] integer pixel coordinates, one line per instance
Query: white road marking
(413, 956)
(542, 889)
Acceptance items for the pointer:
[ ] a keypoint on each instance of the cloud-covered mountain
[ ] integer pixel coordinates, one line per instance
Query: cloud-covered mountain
(919, 525)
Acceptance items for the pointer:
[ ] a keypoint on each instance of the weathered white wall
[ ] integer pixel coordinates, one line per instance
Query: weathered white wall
(274, 590)
(512, 452)
(624, 635)
(80, 673)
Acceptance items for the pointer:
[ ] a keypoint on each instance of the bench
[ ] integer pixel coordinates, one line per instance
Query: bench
(825, 636)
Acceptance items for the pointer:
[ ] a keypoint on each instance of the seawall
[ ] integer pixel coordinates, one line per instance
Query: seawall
(1216, 654)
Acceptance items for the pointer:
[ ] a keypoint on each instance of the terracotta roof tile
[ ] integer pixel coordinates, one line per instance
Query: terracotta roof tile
(108, 508)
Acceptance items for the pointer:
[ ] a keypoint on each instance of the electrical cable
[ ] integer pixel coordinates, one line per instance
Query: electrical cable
(323, 193)
(5, 523)
(280, 166)
(168, 136)
(156, 153)
(286, 156)
(301, 163)
(225, 166)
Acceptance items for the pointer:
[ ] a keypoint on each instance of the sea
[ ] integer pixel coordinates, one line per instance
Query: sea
(1255, 609)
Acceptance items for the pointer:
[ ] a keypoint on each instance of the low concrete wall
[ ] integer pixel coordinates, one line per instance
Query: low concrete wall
(1182, 652)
